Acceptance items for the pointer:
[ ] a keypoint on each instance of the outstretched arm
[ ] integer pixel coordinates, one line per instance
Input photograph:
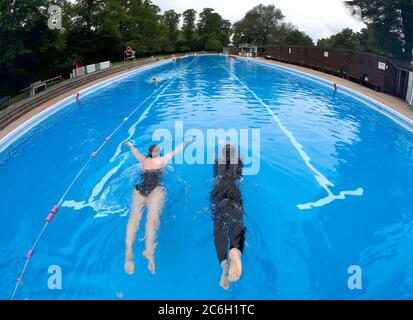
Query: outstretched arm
(136, 153)
(168, 157)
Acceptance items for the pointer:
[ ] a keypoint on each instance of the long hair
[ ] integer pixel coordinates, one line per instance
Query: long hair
(232, 168)
(152, 149)
(227, 175)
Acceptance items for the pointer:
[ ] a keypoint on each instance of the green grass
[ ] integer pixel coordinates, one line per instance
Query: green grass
(14, 100)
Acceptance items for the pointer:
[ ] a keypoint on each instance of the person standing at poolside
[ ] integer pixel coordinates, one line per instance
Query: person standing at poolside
(150, 194)
(228, 213)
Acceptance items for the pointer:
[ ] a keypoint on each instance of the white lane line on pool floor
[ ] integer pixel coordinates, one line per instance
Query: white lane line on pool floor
(319, 177)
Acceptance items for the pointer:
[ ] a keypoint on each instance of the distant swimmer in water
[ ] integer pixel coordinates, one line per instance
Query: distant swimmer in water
(151, 194)
(228, 214)
(154, 80)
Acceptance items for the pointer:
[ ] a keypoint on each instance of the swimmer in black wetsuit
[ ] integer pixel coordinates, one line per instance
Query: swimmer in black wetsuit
(228, 213)
(151, 194)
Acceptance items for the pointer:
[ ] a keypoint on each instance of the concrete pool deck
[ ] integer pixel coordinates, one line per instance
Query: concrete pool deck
(26, 117)
(397, 104)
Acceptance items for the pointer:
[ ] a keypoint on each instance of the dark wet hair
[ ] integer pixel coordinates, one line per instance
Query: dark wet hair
(152, 148)
(229, 152)
(227, 173)
(229, 166)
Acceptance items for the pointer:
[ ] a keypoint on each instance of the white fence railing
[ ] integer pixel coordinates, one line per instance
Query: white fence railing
(90, 69)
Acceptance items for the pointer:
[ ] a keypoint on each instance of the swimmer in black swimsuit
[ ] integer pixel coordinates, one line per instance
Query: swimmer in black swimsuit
(228, 213)
(151, 194)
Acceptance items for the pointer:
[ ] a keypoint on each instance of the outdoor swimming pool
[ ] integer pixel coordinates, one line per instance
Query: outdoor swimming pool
(334, 189)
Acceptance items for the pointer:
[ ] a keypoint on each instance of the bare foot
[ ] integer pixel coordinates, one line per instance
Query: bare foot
(151, 261)
(235, 267)
(224, 283)
(129, 266)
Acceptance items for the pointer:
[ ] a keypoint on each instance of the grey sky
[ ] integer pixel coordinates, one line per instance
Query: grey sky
(318, 18)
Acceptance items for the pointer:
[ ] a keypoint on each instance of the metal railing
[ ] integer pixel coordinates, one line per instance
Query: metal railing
(17, 110)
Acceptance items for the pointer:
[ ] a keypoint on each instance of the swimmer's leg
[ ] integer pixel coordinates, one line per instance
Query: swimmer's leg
(237, 239)
(155, 204)
(132, 229)
(221, 247)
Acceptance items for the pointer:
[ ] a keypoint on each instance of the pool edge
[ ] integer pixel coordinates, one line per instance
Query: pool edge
(40, 116)
(380, 107)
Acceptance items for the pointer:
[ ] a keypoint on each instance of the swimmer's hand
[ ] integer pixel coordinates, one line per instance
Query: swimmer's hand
(129, 144)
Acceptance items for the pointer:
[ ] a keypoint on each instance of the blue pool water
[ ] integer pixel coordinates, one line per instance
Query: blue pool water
(334, 189)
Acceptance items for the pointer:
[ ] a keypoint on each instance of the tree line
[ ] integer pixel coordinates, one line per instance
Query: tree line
(99, 30)
(93, 31)
(388, 31)
(266, 25)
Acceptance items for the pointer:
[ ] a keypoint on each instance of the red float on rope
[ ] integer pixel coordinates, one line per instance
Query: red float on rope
(94, 154)
(29, 254)
(107, 139)
(52, 213)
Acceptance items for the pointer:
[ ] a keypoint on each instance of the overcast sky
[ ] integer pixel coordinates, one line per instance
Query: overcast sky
(318, 18)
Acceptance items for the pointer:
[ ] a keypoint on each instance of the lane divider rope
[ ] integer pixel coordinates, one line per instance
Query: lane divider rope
(93, 155)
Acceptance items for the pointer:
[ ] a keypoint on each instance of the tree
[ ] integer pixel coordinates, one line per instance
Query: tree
(298, 38)
(371, 39)
(213, 44)
(85, 33)
(170, 23)
(212, 28)
(100, 30)
(189, 28)
(224, 32)
(390, 25)
(29, 50)
(94, 30)
(264, 25)
(345, 39)
(259, 26)
(145, 27)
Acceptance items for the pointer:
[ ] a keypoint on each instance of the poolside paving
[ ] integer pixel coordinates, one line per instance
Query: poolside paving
(55, 100)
